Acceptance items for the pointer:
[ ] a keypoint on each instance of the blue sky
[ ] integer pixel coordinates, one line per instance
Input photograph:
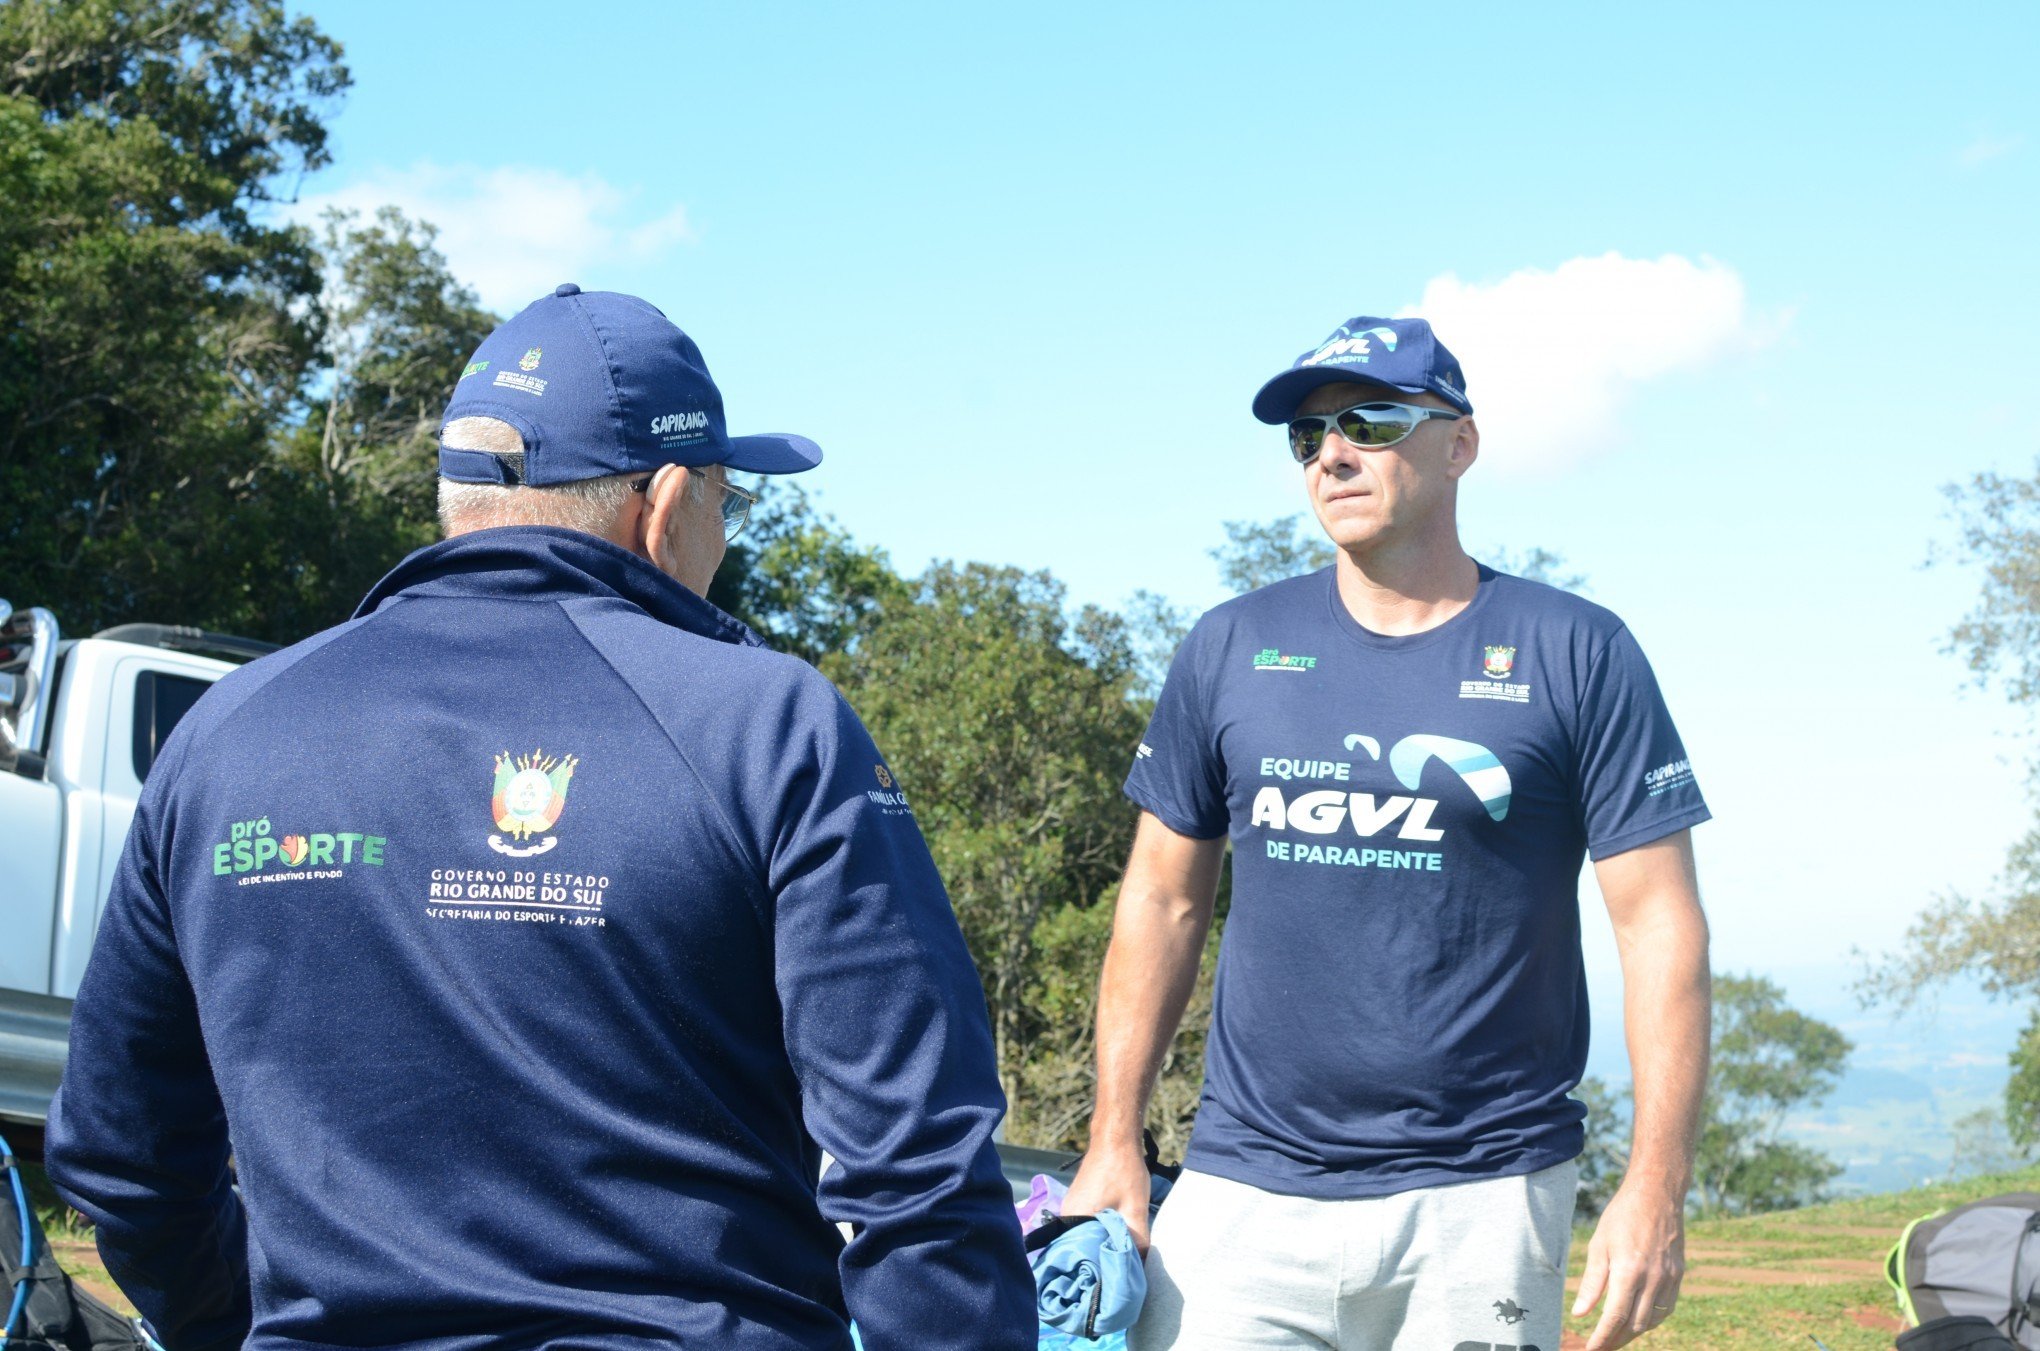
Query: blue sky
(1738, 292)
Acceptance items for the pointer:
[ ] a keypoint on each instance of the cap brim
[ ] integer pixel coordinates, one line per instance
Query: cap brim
(1281, 397)
(773, 453)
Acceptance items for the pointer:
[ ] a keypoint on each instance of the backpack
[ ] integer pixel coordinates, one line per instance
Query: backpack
(1963, 1332)
(44, 1311)
(1982, 1260)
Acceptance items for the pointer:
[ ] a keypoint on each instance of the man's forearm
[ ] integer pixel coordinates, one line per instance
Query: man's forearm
(1150, 968)
(1666, 1010)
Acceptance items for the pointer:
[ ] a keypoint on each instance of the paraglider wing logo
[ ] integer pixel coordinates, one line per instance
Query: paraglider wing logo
(530, 794)
(1476, 766)
(1345, 347)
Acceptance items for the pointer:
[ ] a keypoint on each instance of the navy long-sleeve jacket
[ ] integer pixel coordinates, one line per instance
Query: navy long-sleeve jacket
(525, 939)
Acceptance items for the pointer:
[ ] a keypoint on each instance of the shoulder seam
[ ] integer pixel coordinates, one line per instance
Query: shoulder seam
(1594, 664)
(714, 803)
(207, 732)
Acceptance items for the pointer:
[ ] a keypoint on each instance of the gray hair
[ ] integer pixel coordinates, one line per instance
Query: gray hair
(590, 505)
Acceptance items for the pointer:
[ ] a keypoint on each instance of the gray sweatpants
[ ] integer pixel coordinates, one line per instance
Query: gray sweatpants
(1477, 1266)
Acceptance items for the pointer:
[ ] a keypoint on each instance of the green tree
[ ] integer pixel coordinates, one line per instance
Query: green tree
(398, 326)
(153, 328)
(1013, 747)
(1155, 628)
(1012, 723)
(798, 578)
(1258, 553)
(1980, 1145)
(1606, 1156)
(1996, 938)
(352, 483)
(1769, 1059)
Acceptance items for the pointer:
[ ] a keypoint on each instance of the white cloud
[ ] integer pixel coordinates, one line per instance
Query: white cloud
(515, 232)
(1551, 357)
(1984, 149)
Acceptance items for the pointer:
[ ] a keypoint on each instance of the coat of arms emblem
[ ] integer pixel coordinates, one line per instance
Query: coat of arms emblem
(529, 361)
(1499, 662)
(530, 794)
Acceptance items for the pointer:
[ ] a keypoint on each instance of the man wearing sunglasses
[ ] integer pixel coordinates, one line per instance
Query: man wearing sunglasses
(584, 925)
(1412, 755)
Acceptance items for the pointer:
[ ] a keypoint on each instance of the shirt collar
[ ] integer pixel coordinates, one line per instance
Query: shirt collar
(540, 562)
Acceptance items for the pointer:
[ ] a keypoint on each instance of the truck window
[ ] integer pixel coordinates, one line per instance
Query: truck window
(160, 700)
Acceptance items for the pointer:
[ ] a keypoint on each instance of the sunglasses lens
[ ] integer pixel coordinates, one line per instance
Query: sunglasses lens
(1375, 426)
(736, 509)
(1306, 436)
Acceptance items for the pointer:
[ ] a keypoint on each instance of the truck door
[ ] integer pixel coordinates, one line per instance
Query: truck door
(147, 695)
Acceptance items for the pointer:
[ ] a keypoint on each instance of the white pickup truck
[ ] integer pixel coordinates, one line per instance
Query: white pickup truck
(81, 721)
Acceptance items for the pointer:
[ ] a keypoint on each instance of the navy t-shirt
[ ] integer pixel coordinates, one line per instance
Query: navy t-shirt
(1400, 999)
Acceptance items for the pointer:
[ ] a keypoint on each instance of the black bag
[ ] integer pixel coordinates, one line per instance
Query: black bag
(42, 1309)
(1963, 1332)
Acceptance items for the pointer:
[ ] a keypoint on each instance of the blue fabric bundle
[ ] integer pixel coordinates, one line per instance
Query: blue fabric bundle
(1051, 1340)
(1089, 1279)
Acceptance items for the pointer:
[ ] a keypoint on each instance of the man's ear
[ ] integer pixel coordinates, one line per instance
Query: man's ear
(662, 500)
(1465, 447)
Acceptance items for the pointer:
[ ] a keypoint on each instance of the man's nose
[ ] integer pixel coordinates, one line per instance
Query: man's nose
(1336, 452)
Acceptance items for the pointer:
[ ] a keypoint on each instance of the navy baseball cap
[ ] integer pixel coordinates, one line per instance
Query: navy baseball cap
(1402, 354)
(601, 383)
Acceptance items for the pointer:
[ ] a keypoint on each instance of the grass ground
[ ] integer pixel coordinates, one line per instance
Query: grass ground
(1777, 1280)
(1767, 1281)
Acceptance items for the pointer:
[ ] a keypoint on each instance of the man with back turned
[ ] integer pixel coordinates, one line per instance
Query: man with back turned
(644, 930)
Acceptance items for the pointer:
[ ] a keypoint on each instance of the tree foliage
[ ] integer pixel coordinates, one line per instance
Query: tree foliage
(1259, 553)
(1013, 746)
(1769, 1059)
(357, 473)
(152, 335)
(206, 417)
(1155, 628)
(1995, 939)
(1606, 1156)
(800, 580)
(1981, 1145)
(229, 93)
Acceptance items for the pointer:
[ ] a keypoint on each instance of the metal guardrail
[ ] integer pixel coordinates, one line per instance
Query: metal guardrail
(35, 1036)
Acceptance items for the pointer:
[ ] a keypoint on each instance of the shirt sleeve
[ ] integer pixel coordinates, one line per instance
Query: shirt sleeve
(1177, 773)
(1636, 784)
(888, 1034)
(137, 1137)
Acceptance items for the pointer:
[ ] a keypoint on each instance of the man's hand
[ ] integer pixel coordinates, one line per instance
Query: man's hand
(1638, 1253)
(1158, 932)
(1113, 1180)
(1636, 1259)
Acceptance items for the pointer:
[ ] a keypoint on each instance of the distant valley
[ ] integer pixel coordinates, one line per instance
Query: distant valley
(1910, 1078)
